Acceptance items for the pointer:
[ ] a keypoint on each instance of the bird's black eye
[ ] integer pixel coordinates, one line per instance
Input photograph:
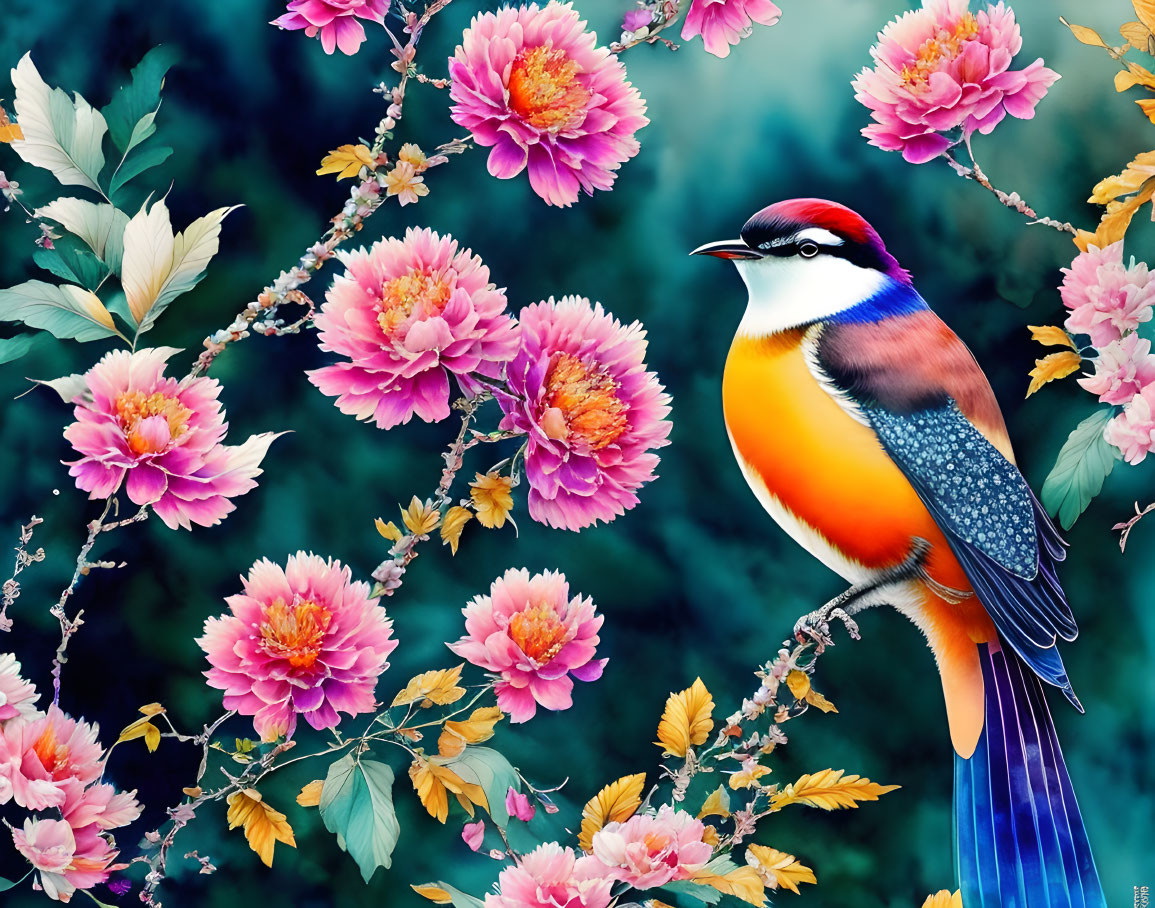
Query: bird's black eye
(808, 250)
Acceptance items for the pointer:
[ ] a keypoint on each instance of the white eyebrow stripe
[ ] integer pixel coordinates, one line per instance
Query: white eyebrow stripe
(819, 235)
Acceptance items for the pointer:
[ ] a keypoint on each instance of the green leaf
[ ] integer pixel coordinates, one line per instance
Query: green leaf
(74, 264)
(1084, 462)
(457, 898)
(131, 112)
(101, 226)
(5, 885)
(61, 135)
(137, 162)
(66, 311)
(12, 348)
(488, 768)
(357, 806)
(699, 891)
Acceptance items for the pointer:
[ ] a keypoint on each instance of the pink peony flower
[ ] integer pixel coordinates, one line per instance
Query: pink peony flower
(1107, 299)
(551, 877)
(942, 68)
(580, 391)
(43, 760)
(17, 696)
(407, 314)
(723, 23)
(1133, 430)
(517, 805)
(335, 21)
(66, 859)
(99, 804)
(301, 640)
(1122, 369)
(161, 438)
(534, 637)
(649, 850)
(531, 83)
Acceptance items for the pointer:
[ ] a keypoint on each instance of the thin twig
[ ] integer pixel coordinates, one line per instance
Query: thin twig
(1128, 525)
(24, 558)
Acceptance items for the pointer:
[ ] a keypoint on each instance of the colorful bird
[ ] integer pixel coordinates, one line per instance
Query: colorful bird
(868, 431)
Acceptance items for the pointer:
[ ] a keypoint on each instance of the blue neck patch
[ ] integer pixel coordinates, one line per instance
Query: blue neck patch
(896, 298)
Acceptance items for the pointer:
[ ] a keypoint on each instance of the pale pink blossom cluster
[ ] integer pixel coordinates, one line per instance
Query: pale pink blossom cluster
(652, 849)
(551, 876)
(534, 638)
(943, 72)
(52, 766)
(1108, 302)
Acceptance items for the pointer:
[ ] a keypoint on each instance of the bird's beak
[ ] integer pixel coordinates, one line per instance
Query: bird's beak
(728, 249)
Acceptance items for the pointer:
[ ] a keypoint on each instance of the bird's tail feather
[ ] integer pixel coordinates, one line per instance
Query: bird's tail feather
(1019, 835)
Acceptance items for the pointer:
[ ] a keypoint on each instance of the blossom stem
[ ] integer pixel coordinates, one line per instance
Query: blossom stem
(24, 558)
(1011, 200)
(1128, 525)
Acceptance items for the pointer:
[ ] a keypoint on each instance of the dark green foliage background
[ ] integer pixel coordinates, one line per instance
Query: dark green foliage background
(697, 580)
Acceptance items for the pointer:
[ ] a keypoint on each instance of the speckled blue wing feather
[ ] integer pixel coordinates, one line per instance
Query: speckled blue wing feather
(994, 525)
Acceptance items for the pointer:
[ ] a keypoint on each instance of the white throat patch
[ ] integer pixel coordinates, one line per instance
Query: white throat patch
(786, 292)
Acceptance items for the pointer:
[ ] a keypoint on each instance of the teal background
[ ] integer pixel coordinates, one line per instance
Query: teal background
(695, 581)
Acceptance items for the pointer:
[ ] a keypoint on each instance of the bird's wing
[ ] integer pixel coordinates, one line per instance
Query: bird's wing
(916, 384)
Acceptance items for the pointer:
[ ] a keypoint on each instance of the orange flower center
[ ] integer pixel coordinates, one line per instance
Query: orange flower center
(539, 632)
(52, 754)
(133, 407)
(588, 402)
(413, 294)
(944, 46)
(295, 632)
(655, 842)
(544, 89)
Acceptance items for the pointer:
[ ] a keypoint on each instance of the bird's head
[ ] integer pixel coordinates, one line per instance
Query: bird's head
(805, 260)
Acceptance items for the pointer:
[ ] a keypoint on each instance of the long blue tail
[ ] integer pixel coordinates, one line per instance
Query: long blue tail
(1020, 838)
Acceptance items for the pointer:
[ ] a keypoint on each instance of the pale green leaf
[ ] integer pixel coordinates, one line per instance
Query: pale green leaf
(488, 768)
(73, 263)
(699, 891)
(131, 112)
(69, 387)
(12, 348)
(137, 162)
(61, 135)
(100, 226)
(357, 806)
(1084, 463)
(66, 311)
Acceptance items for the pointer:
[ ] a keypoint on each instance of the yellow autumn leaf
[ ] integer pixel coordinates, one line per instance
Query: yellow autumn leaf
(389, 530)
(434, 783)
(710, 836)
(1085, 35)
(439, 686)
(716, 805)
(1147, 105)
(477, 728)
(1134, 75)
(798, 682)
(310, 795)
(1053, 366)
(783, 869)
(452, 524)
(615, 803)
(829, 789)
(420, 518)
(742, 882)
(433, 892)
(1145, 11)
(818, 701)
(1133, 176)
(346, 161)
(944, 898)
(1116, 219)
(686, 721)
(492, 499)
(151, 709)
(748, 776)
(1136, 34)
(1051, 336)
(142, 728)
(9, 131)
(263, 826)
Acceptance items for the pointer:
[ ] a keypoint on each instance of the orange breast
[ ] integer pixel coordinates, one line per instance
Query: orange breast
(829, 471)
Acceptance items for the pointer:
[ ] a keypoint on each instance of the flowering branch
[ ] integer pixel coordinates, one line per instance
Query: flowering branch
(24, 558)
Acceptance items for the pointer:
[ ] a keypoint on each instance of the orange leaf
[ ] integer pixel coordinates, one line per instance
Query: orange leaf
(263, 825)
(438, 687)
(310, 795)
(615, 803)
(686, 721)
(452, 524)
(492, 499)
(1053, 366)
(778, 868)
(1051, 336)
